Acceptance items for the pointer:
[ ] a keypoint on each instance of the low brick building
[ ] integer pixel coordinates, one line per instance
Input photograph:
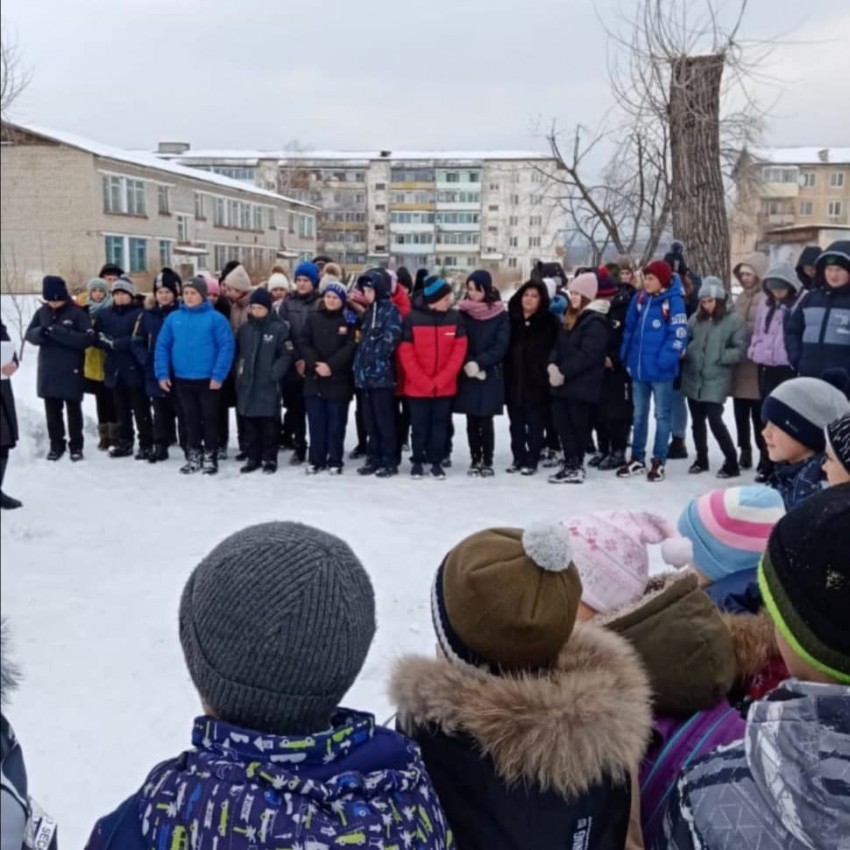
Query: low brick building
(69, 205)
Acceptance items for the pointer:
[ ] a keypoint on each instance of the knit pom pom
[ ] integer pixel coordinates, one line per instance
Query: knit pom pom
(548, 546)
(677, 551)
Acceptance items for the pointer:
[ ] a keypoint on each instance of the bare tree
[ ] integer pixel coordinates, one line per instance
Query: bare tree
(14, 78)
(18, 307)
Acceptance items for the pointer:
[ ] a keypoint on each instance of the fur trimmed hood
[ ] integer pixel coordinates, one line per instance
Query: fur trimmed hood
(754, 639)
(587, 720)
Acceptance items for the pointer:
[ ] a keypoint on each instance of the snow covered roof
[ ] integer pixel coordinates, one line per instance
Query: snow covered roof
(151, 161)
(251, 157)
(803, 156)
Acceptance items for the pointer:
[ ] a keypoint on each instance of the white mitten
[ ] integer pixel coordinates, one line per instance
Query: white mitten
(556, 377)
(482, 375)
(471, 369)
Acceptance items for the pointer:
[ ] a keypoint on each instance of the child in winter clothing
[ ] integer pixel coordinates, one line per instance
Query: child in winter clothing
(279, 287)
(113, 329)
(716, 342)
(806, 266)
(375, 373)
(328, 347)
(654, 341)
(481, 385)
(8, 422)
(62, 331)
(533, 333)
(836, 465)
(783, 294)
(783, 778)
(192, 358)
(275, 761)
(816, 334)
(168, 423)
(745, 386)
(504, 606)
(576, 372)
(796, 414)
(296, 310)
(99, 299)
(264, 355)
(432, 351)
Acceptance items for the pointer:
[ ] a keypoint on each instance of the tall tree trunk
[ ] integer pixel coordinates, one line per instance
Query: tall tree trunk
(699, 199)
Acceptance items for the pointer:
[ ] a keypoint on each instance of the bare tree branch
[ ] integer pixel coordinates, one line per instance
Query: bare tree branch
(14, 78)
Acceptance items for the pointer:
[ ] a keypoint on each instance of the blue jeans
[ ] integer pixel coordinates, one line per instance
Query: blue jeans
(679, 415)
(662, 393)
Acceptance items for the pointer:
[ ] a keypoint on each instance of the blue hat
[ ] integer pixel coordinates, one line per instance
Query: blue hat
(54, 288)
(558, 305)
(435, 289)
(338, 289)
(262, 297)
(482, 279)
(307, 269)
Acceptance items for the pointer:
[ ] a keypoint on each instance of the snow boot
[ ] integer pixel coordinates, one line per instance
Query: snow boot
(251, 466)
(745, 461)
(158, 454)
(612, 461)
(678, 449)
(193, 463)
(105, 441)
(210, 464)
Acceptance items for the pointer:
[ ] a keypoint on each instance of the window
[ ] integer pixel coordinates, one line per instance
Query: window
(138, 255)
(834, 209)
(474, 176)
(305, 227)
(450, 237)
(359, 177)
(494, 187)
(536, 220)
(515, 200)
(182, 228)
(380, 207)
(493, 208)
(291, 226)
(200, 212)
(164, 253)
(359, 198)
(245, 216)
(412, 218)
(413, 238)
(513, 221)
(533, 241)
(514, 242)
(234, 173)
(380, 249)
(536, 176)
(492, 229)
(512, 262)
(379, 227)
(412, 175)
(452, 177)
(218, 214)
(115, 251)
(458, 217)
(258, 218)
(780, 175)
(221, 255)
(163, 201)
(536, 200)
(135, 197)
(272, 218)
(836, 180)
(808, 179)
(380, 187)
(449, 262)
(806, 208)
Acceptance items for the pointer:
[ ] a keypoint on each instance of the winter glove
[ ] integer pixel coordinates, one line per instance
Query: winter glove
(45, 332)
(471, 369)
(556, 377)
(106, 340)
(482, 375)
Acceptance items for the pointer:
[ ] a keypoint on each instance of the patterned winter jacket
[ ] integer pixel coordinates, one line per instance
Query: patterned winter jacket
(353, 785)
(783, 788)
(374, 361)
(797, 481)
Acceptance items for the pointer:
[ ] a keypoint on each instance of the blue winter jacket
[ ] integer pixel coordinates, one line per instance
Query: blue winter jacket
(374, 362)
(353, 785)
(656, 334)
(195, 343)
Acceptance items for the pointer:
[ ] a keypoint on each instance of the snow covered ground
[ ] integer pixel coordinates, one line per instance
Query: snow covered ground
(93, 566)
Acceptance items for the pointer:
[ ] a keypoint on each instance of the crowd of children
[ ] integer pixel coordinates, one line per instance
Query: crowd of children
(568, 359)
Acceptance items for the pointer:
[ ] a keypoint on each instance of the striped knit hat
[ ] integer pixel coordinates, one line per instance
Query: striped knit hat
(838, 438)
(804, 579)
(726, 530)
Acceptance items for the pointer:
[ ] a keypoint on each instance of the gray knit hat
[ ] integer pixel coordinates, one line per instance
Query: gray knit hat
(124, 284)
(275, 625)
(803, 407)
(712, 287)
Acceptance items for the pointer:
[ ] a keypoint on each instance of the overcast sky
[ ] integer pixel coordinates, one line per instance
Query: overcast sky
(377, 73)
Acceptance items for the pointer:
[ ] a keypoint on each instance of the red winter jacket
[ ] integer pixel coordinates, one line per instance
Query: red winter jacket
(401, 300)
(431, 353)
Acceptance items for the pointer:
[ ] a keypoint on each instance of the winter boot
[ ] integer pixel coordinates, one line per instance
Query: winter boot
(193, 463)
(356, 453)
(729, 469)
(105, 441)
(269, 467)
(678, 449)
(699, 466)
(121, 449)
(158, 453)
(76, 455)
(596, 460)
(56, 452)
(7, 503)
(474, 470)
(487, 470)
(114, 433)
(656, 471)
(251, 466)
(437, 472)
(416, 471)
(386, 472)
(367, 469)
(144, 453)
(210, 464)
(612, 461)
(746, 459)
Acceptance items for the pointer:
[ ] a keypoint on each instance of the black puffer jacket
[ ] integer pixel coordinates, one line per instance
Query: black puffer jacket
(62, 337)
(616, 401)
(264, 354)
(8, 416)
(113, 332)
(526, 381)
(329, 338)
(487, 341)
(580, 354)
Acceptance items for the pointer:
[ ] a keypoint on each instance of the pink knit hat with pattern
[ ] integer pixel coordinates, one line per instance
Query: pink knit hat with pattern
(609, 550)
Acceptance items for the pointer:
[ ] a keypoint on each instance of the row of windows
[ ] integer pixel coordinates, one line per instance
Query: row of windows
(452, 197)
(449, 262)
(806, 179)
(129, 252)
(411, 218)
(123, 195)
(458, 176)
(412, 175)
(458, 217)
(250, 257)
(443, 238)
(533, 242)
(343, 237)
(235, 172)
(355, 217)
(237, 215)
(412, 198)
(413, 238)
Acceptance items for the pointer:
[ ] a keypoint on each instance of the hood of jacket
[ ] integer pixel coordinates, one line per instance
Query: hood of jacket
(808, 257)
(683, 642)
(840, 249)
(785, 273)
(798, 749)
(757, 261)
(566, 730)
(380, 281)
(515, 302)
(754, 641)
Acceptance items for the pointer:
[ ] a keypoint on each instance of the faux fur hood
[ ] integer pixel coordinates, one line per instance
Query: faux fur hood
(586, 720)
(754, 639)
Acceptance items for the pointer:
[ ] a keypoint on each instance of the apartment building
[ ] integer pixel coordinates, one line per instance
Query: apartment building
(70, 204)
(787, 198)
(450, 211)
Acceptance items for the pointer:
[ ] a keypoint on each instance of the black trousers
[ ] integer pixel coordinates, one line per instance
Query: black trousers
(482, 439)
(295, 418)
(379, 409)
(104, 404)
(527, 424)
(572, 422)
(53, 408)
(748, 411)
(201, 411)
(360, 423)
(612, 435)
(168, 421)
(429, 421)
(770, 377)
(262, 434)
(550, 433)
(328, 419)
(402, 424)
(132, 403)
(712, 413)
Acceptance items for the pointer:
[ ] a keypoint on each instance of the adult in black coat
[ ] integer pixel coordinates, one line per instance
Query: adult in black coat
(806, 266)
(62, 331)
(533, 331)
(8, 421)
(576, 371)
(124, 375)
(328, 347)
(481, 384)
